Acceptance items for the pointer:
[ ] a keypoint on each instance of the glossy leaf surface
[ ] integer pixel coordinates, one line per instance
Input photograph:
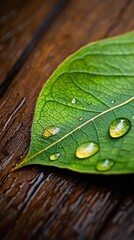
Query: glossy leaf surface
(78, 104)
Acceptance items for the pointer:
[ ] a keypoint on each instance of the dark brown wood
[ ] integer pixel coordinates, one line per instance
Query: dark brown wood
(48, 203)
(17, 26)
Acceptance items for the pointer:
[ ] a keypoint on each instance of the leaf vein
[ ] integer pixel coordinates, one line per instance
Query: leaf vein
(80, 126)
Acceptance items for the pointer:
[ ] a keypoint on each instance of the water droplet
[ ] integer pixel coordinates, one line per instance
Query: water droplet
(104, 165)
(112, 101)
(119, 127)
(50, 131)
(54, 156)
(87, 149)
(73, 101)
(81, 118)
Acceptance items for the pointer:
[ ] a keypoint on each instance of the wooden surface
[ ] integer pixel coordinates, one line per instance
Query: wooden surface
(41, 202)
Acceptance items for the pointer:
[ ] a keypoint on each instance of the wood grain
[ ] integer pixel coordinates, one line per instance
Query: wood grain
(17, 26)
(47, 203)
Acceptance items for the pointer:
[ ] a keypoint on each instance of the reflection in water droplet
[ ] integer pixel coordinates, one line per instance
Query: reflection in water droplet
(73, 100)
(87, 149)
(54, 156)
(50, 131)
(104, 165)
(119, 127)
(112, 101)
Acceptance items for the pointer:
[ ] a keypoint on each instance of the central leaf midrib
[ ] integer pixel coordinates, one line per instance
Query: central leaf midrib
(80, 126)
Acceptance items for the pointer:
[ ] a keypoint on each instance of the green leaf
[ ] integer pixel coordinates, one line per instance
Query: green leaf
(90, 91)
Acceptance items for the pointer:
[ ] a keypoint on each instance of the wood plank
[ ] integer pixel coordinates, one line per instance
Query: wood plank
(41, 202)
(18, 23)
(121, 223)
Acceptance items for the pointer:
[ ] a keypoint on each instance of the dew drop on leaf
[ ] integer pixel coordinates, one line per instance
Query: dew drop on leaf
(54, 156)
(119, 127)
(73, 101)
(104, 165)
(87, 149)
(112, 101)
(50, 131)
